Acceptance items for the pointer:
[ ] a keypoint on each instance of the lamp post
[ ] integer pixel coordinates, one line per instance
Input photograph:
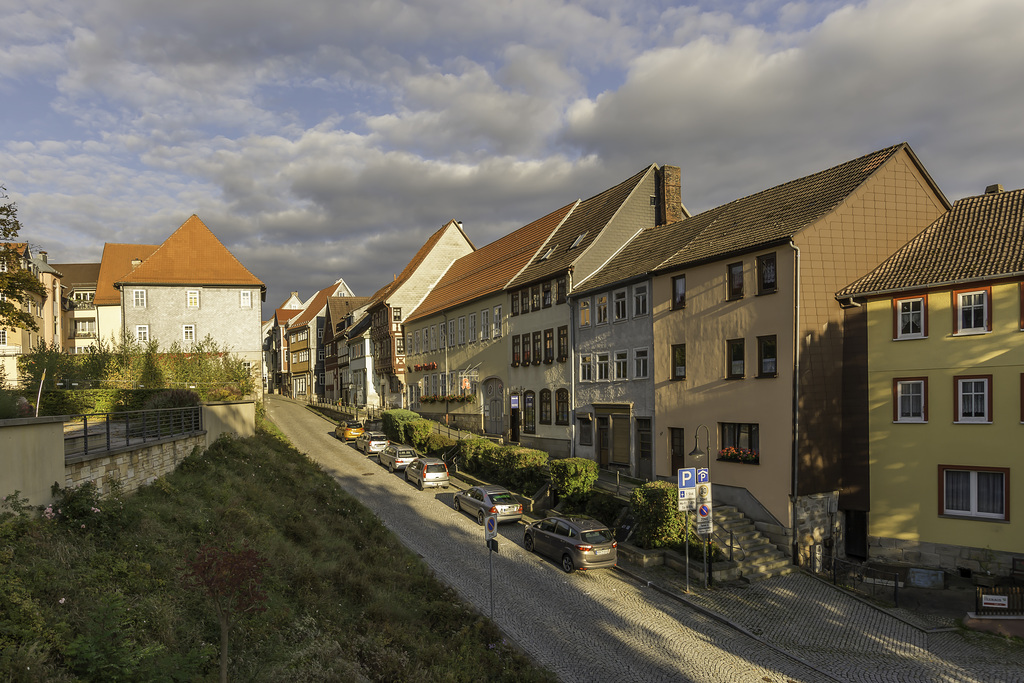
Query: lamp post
(697, 454)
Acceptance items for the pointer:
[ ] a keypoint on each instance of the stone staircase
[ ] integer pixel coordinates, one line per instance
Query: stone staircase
(756, 556)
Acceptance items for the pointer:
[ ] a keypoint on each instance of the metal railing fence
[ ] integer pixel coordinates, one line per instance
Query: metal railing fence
(85, 434)
(879, 584)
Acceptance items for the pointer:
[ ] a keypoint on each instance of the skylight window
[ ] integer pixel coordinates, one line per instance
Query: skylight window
(548, 253)
(578, 240)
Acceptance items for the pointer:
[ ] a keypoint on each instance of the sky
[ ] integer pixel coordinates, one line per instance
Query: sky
(327, 139)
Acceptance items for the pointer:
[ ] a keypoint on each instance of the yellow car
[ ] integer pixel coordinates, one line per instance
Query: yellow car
(347, 431)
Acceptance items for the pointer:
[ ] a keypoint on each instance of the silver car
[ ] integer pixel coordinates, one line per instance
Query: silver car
(484, 501)
(427, 472)
(396, 456)
(371, 442)
(576, 542)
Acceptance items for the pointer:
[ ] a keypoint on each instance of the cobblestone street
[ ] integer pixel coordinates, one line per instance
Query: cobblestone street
(636, 625)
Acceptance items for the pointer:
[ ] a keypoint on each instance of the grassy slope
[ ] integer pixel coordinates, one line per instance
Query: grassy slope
(346, 601)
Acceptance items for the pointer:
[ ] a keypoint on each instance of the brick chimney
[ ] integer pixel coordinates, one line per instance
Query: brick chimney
(670, 195)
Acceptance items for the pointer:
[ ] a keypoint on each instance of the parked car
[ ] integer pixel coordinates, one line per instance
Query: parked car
(576, 542)
(395, 456)
(484, 501)
(426, 472)
(371, 442)
(348, 431)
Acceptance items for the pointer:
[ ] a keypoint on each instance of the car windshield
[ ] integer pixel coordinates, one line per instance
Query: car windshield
(595, 536)
(436, 468)
(502, 498)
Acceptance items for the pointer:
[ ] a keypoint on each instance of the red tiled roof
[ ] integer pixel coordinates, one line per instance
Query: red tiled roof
(489, 268)
(191, 255)
(316, 304)
(283, 315)
(115, 263)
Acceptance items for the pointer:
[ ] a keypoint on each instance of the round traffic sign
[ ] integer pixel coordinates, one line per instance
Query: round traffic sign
(492, 524)
(703, 511)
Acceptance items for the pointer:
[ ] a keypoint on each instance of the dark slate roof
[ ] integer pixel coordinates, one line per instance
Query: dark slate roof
(758, 220)
(81, 274)
(979, 238)
(588, 218)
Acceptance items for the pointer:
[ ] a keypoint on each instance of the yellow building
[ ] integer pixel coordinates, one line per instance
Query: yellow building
(945, 388)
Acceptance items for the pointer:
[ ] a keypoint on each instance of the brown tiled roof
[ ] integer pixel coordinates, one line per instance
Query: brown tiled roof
(588, 218)
(316, 304)
(979, 238)
(283, 315)
(115, 263)
(339, 308)
(775, 214)
(192, 255)
(760, 219)
(489, 268)
(382, 294)
(78, 273)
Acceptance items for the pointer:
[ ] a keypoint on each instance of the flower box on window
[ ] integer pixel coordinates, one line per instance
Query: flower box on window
(741, 455)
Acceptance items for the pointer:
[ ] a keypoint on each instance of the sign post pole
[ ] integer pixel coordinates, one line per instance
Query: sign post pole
(687, 501)
(490, 532)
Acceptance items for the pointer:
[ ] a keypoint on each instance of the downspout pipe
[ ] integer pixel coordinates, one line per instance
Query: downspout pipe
(796, 400)
(572, 362)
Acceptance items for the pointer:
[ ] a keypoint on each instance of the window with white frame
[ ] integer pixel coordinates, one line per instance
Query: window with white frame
(678, 361)
(416, 341)
(319, 354)
(639, 300)
(192, 298)
(640, 363)
(3, 337)
(584, 312)
(602, 309)
(972, 312)
(973, 399)
(619, 309)
(396, 314)
(442, 335)
(621, 365)
(400, 345)
(142, 333)
(462, 329)
(245, 300)
(603, 366)
(433, 337)
(139, 298)
(910, 314)
(451, 333)
(586, 367)
(472, 328)
(497, 322)
(910, 399)
(485, 324)
(188, 333)
(974, 492)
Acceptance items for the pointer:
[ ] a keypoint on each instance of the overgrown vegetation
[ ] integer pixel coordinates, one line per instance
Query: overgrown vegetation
(660, 524)
(210, 370)
(96, 588)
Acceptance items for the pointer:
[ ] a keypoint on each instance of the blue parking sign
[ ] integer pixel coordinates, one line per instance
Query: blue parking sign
(687, 477)
(702, 475)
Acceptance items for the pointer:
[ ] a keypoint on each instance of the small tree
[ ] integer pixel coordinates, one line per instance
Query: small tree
(16, 283)
(232, 578)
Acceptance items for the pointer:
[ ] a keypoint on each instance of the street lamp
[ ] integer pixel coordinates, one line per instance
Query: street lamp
(697, 454)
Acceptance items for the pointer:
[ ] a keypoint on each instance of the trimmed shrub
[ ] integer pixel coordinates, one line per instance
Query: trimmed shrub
(523, 469)
(393, 423)
(417, 432)
(573, 478)
(474, 456)
(659, 522)
(438, 445)
(172, 398)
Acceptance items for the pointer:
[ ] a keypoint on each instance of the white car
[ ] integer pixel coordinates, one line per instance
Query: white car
(371, 442)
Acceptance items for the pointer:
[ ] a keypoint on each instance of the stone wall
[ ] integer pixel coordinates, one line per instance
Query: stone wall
(817, 525)
(951, 558)
(133, 468)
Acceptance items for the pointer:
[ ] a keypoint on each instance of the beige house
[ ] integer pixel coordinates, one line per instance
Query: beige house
(45, 310)
(750, 342)
(456, 356)
(78, 308)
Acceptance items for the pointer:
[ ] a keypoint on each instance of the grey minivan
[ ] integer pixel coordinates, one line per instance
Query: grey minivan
(576, 542)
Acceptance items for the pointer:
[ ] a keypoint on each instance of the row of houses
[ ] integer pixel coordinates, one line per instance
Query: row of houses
(175, 293)
(793, 334)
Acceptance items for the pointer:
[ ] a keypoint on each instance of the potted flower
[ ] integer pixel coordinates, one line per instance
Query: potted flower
(746, 456)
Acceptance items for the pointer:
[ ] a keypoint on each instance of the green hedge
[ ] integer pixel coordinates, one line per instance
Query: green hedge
(438, 445)
(63, 402)
(573, 478)
(522, 469)
(659, 522)
(472, 459)
(417, 432)
(393, 423)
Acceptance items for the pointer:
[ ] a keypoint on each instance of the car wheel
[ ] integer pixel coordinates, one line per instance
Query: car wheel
(419, 483)
(391, 468)
(480, 517)
(567, 566)
(458, 505)
(528, 543)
